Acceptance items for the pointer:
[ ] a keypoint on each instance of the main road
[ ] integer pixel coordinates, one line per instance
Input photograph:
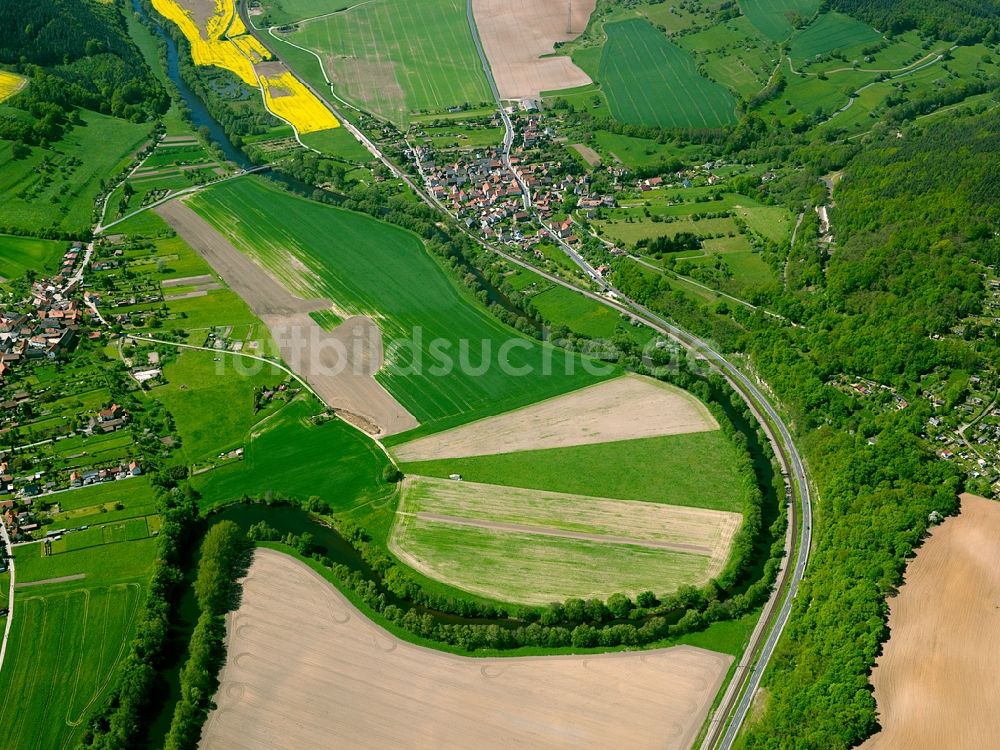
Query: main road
(732, 710)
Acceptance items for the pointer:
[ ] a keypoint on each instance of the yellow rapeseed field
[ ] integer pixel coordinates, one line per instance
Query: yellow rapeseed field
(290, 100)
(10, 84)
(251, 48)
(210, 48)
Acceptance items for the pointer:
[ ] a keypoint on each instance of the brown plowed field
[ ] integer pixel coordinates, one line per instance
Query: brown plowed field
(938, 678)
(517, 33)
(304, 669)
(625, 408)
(339, 364)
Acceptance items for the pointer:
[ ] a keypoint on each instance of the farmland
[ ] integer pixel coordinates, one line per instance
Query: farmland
(618, 409)
(653, 699)
(10, 84)
(773, 18)
(535, 547)
(657, 469)
(929, 688)
(287, 98)
(68, 639)
(206, 35)
(395, 59)
(519, 38)
(21, 254)
(277, 452)
(339, 249)
(829, 32)
(639, 58)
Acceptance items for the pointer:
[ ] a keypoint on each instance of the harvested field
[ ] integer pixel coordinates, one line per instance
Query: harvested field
(589, 155)
(937, 680)
(533, 546)
(344, 682)
(621, 409)
(517, 33)
(339, 365)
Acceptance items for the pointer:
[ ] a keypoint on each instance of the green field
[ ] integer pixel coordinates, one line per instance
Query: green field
(830, 32)
(338, 142)
(21, 254)
(590, 318)
(198, 385)
(286, 455)
(370, 268)
(95, 504)
(773, 18)
(56, 186)
(396, 58)
(651, 81)
(657, 469)
(537, 569)
(286, 11)
(67, 640)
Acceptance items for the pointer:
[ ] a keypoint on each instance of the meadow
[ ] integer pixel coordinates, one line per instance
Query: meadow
(830, 32)
(578, 313)
(395, 58)
(773, 17)
(289, 456)
(198, 385)
(55, 186)
(656, 470)
(67, 640)
(21, 254)
(733, 54)
(371, 268)
(650, 81)
(96, 504)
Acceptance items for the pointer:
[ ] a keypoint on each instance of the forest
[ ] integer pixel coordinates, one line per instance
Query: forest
(77, 55)
(964, 20)
(915, 217)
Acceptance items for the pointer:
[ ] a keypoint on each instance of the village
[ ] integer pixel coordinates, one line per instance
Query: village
(61, 427)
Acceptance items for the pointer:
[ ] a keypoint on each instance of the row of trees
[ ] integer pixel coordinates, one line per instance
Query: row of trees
(225, 557)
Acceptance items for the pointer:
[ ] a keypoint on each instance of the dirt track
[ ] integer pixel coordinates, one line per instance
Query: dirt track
(937, 681)
(339, 365)
(621, 409)
(517, 33)
(342, 682)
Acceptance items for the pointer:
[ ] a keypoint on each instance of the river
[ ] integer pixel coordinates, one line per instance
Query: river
(200, 117)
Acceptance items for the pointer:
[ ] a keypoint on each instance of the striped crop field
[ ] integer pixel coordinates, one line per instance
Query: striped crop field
(773, 18)
(829, 32)
(651, 81)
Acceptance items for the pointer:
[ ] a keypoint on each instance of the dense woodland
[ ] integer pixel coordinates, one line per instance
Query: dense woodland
(945, 19)
(913, 217)
(77, 54)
